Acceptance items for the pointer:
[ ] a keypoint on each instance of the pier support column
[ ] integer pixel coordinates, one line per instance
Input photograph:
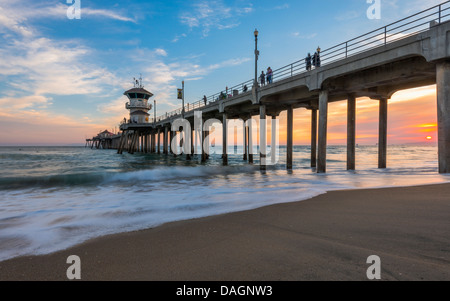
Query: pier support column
(150, 144)
(382, 133)
(165, 141)
(174, 141)
(443, 112)
(314, 138)
(137, 144)
(262, 137)
(192, 141)
(245, 145)
(145, 146)
(159, 140)
(224, 139)
(170, 140)
(153, 143)
(122, 142)
(203, 142)
(130, 137)
(351, 132)
(187, 142)
(273, 142)
(290, 137)
(250, 140)
(153, 146)
(323, 123)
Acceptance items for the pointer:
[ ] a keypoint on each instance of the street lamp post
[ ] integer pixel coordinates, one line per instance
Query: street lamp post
(256, 57)
(262, 112)
(154, 109)
(182, 110)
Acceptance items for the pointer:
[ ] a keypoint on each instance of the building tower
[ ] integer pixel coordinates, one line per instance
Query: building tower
(138, 104)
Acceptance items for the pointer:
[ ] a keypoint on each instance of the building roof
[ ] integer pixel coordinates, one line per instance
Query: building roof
(139, 112)
(138, 90)
(106, 132)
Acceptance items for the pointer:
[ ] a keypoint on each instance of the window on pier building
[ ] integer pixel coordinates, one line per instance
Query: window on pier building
(138, 96)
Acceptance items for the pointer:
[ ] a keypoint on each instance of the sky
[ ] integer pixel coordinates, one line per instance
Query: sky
(62, 80)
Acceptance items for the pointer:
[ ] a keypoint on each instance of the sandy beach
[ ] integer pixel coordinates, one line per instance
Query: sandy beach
(328, 237)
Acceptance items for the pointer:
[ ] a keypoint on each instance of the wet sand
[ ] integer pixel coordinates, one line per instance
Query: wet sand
(328, 237)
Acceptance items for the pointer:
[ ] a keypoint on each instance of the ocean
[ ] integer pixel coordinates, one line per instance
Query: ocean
(52, 198)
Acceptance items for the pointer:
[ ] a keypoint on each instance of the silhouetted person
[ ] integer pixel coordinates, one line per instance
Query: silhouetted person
(262, 78)
(318, 57)
(314, 59)
(269, 75)
(308, 62)
(205, 99)
(245, 88)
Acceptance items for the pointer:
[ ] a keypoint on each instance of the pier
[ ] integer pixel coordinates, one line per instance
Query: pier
(409, 53)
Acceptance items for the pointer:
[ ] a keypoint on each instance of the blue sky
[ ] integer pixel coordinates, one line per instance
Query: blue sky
(62, 80)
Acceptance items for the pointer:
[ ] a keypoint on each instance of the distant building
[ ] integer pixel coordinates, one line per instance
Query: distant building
(105, 134)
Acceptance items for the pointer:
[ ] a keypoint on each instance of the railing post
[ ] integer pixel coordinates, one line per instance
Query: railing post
(385, 35)
(346, 49)
(292, 71)
(440, 10)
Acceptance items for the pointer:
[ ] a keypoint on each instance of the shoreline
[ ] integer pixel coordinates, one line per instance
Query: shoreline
(327, 237)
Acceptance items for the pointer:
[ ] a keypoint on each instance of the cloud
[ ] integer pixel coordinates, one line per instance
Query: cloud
(304, 36)
(228, 63)
(9, 104)
(45, 128)
(415, 93)
(228, 26)
(47, 66)
(37, 71)
(115, 110)
(160, 51)
(208, 15)
(52, 67)
(245, 10)
(178, 37)
(34, 10)
(283, 6)
(10, 21)
(107, 14)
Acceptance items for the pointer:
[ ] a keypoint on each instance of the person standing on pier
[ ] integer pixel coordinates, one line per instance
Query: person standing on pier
(318, 57)
(308, 62)
(205, 99)
(262, 79)
(269, 75)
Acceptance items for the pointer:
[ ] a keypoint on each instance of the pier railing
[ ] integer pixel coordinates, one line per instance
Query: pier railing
(382, 36)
